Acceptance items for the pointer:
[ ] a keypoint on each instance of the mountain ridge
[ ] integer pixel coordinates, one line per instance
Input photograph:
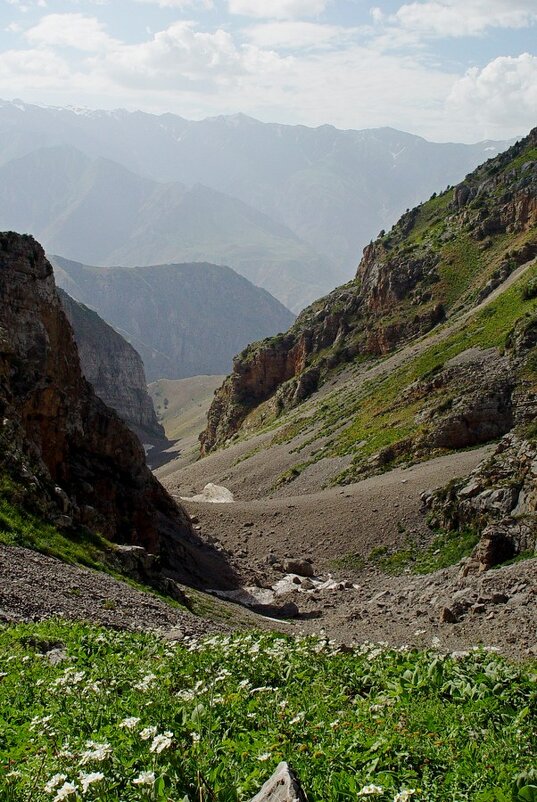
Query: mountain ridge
(64, 454)
(440, 260)
(334, 189)
(114, 369)
(61, 195)
(184, 320)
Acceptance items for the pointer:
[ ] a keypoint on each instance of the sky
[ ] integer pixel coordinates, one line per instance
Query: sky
(448, 70)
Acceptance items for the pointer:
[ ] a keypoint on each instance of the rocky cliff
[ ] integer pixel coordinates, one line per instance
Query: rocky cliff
(76, 461)
(499, 499)
(440, 260)
(113, 368)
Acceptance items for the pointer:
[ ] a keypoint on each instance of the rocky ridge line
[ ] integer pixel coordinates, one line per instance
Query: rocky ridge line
(396, 296)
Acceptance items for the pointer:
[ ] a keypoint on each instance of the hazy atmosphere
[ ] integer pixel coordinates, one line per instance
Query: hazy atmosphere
(458, 70)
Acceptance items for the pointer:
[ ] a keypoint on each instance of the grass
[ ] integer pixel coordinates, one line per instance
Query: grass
(132, 718)
(379, 415)
(18, 527)
(383, 416)
(446, 548)
(460, 264)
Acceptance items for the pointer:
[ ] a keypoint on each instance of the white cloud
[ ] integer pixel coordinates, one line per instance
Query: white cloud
(180, 56)
(70, 30)
(500, 99)
(291, 35)
(179, 4)
(277, 9)
(461, 17)
(335, 74)
(20, 69)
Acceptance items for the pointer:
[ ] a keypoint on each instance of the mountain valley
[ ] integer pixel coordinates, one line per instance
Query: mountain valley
(339, 571)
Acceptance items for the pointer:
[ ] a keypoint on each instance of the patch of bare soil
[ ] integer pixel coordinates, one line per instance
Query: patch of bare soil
(325, 526)
(34, 587)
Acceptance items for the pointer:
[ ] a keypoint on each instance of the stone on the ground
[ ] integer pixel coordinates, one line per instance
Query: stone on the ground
(298, 566)
(283, 786)
(212, 494)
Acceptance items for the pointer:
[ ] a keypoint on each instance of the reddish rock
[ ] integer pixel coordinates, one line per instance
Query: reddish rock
(82, 457)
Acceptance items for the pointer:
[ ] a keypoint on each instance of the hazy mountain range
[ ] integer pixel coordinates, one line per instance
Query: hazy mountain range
(290, 207)
(184, 319)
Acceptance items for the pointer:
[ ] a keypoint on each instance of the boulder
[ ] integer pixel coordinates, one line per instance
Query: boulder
(283, 786)
(299, 566)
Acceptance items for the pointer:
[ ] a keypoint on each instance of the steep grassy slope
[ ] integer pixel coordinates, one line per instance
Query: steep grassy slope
(181, 404)
(460, 265)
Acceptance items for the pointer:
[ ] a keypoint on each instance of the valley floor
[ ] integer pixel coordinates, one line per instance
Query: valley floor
(353, 600)
(338, 529)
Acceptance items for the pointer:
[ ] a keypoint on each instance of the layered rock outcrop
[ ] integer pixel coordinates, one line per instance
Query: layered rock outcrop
(498, 500)
(113, 368)
(407, 282)
(75, 458)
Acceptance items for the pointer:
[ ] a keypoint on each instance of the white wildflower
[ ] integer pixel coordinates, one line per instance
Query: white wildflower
(39, 721)
(147, 733)
(264, 756)
(54, 782)
(129, 723)
(67, 790)
(297, 718)
(404, 796)
(186, 696)
(89, 779)
(145, 778)
(95, 752)
(196, 737)
(161, 742)
(146, 682)
(370, 790)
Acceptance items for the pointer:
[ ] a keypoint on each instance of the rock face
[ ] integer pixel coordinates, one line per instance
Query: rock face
(498, 500)
(406, 284)
(78, 462)
(113, 368)
(283, 786)
(183, 319)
